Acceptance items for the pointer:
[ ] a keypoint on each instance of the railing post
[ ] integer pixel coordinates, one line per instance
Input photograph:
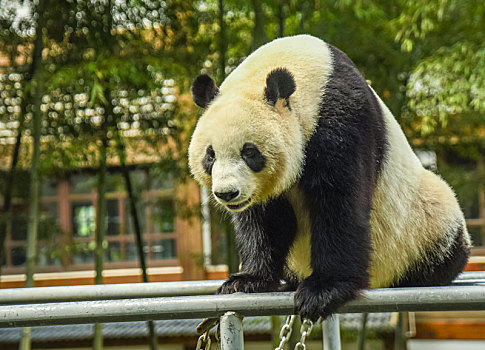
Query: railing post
(362, 332)
(331, 333)
(232, 336)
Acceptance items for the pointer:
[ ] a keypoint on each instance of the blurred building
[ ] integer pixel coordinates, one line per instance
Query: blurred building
(172, 227)
(173, 244)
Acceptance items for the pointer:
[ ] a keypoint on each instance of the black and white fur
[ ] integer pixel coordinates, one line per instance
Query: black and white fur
(324, 190)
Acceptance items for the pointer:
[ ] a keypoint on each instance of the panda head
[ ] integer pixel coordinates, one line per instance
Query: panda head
(247, 146)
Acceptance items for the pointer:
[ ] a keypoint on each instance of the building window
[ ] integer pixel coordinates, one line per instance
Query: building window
(68, 223)
(83, 219)
(164, 249)
(49, 234)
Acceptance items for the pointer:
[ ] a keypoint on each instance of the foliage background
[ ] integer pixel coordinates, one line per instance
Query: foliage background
(124, 68)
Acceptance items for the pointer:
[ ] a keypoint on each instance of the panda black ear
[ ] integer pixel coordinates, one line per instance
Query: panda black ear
(279, 84)
(204, 90)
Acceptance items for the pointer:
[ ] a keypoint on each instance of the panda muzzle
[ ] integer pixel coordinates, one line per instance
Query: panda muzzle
(238, 206)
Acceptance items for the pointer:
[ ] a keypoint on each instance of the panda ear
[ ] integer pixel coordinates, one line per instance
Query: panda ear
(204, 90)
(279, 84)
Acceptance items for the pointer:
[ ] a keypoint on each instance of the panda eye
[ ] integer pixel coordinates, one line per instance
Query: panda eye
(210, 152)
(209, 159)
(253, 157)
(249, 151)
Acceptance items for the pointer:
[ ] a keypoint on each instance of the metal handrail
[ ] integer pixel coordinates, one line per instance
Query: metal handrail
(106, 291)
(141, 290)
(449, 298)
(155, 301)
(471, 275)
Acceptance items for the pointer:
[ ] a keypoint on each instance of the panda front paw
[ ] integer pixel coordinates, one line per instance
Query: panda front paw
(314, 299)
(247, 283)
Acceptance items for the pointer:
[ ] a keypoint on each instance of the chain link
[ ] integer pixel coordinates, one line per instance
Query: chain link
(305, 330)
(285, 332)
(218, 336)
(204, 341)
(204, 328)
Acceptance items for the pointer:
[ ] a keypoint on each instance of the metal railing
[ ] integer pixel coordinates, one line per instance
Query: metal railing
(171, 300)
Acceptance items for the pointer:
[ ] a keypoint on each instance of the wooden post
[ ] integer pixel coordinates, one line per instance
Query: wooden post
(481, 195)
(189, 231)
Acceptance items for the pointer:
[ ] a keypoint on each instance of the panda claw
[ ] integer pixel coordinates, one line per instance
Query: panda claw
(246, 283)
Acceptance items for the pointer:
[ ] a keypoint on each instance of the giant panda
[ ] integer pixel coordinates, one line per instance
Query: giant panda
(323, 188)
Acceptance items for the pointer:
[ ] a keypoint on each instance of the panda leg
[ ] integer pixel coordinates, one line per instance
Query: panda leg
(264, 234)
(340, 254)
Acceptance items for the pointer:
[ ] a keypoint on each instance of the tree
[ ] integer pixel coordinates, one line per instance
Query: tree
(259, 34)
(90, 77)
(446, 91)
(449, 80)
(37, 87)
(10, 42)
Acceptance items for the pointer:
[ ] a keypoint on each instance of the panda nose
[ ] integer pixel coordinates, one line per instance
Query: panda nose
(227, 196)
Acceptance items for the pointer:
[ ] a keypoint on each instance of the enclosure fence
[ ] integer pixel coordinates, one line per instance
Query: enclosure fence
(177, 300)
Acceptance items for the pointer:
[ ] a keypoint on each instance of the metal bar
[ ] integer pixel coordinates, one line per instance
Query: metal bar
(232, 335)
(362, 337)
(450, 298)
(139, 290)
(470, 277)
(206, 225)
(475, 275)
(399, 338)
(331, 333)
(106, 292)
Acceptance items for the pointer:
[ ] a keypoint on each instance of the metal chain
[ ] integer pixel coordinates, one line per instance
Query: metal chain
(205, 327)
(305, 330)
(285, 332)
(218, 336)
(204, 341)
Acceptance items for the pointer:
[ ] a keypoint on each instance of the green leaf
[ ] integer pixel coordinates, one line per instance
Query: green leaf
(97, 95)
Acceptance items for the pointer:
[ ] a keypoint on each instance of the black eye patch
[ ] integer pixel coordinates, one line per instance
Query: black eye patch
(253, 157)
(209, 159)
